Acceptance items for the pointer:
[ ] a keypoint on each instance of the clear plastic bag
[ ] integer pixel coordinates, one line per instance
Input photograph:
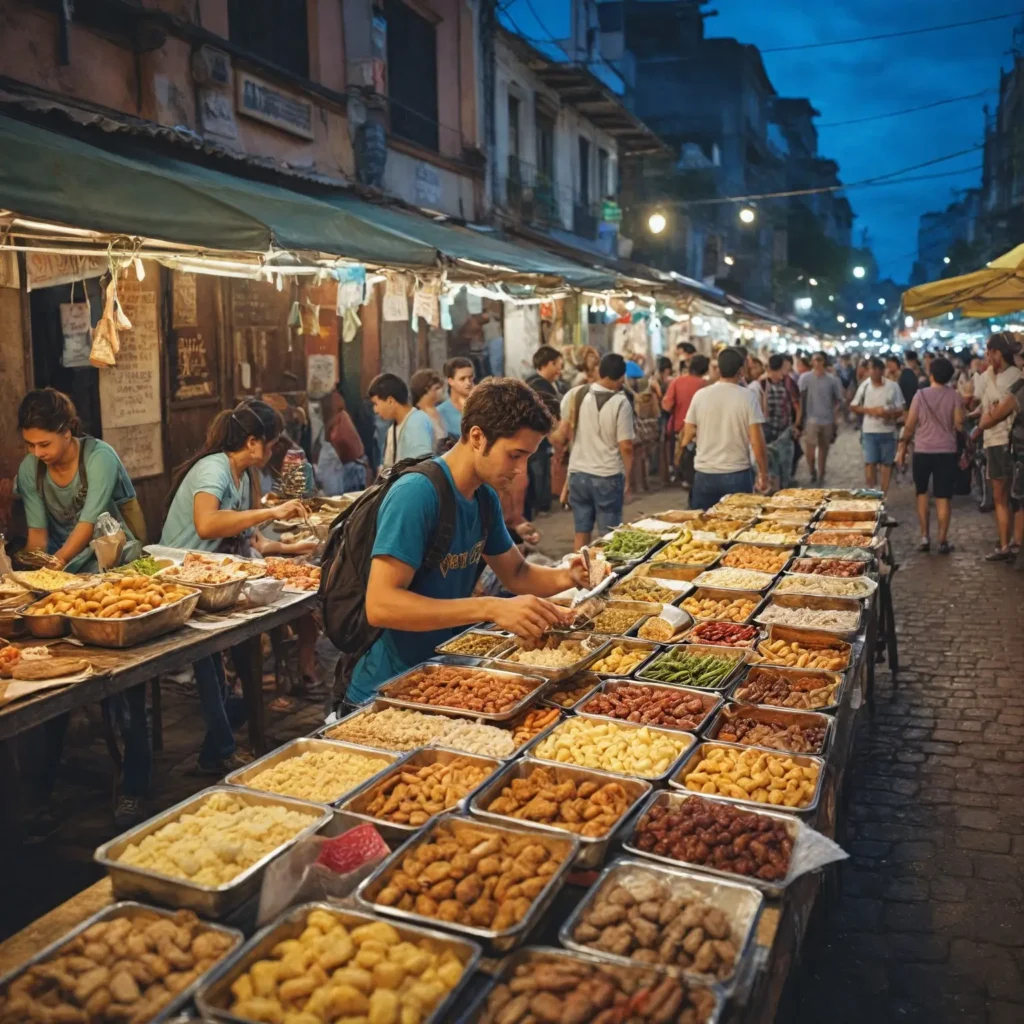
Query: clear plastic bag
(108, 541)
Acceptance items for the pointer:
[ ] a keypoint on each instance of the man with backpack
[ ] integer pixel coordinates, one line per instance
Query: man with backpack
(547, 364)
(401, 563)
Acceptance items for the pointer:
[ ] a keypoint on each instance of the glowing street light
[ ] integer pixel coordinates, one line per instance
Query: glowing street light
(747, 215)
(656, 223)
(860, 305)
(859, 271)
(881, 302)
(841, 318)
(908, 321)
(831, 298)
(946, 259)
(729, 261)
(813, 282)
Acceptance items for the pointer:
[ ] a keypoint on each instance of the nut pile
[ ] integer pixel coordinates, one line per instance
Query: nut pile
(742, 727)
(651, 705)
(112, 599)
(618, 620)
(621, 660)
(689, 552)
(401, 729)
(723, 634)
(321, 776)
(643, 919)
(794, 654)
(753, 775)
(121, 969)
(640, 588)
(737, 609)
(467, 689)
(804, 692)
(466, 873)
(564, 990)
(625, 750)
(824, 586)
(734, 579)
(331, 971)
(573, 691)
(829, 567)
(549, 652)
(832, 619)
(475, 645)
(718, 836)
(839, 540)
(685, 667)
(750, 556)
(589, 809)
(412, 796)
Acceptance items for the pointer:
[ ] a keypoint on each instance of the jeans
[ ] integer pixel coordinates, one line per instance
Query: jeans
(538, 467)
(879, 449)
(596, 499)
(222, 712)
(710, 488)
(780, 458)
(129, 712)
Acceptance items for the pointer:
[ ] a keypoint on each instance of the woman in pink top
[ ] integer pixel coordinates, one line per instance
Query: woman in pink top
(936, 414)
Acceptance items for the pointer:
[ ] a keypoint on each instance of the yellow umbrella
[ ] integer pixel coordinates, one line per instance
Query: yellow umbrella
(994, 291)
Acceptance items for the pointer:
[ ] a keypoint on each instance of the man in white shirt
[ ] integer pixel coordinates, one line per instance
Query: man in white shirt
(726, 419)
(880, 402)
(599, 422)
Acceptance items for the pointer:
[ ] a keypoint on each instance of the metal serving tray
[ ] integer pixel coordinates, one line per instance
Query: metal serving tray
(679, 588)
(741, 903)
(592, 851)
(44, 627)
(803, 760)
(562, 844)
(213, 597)
(357, 803)
(673, 798)
(129, 909)
(676, 516)
(709, 698)
(555, 675)
(715, 594)
(837, 700)
(862, 562)
(780, 545)
(676, 571)
(862, 580)
(856, 517)
(137, 629)
(692, 635)
(591, 678)
(706, 580)
(742, 657)
(662, 558)
(245, 777)
(500, 640)
(852, 605)
(384, 696)
(210, 901)
(214, 997)
(777, 716)
(642, 609)
(675, 735)
(630, 644)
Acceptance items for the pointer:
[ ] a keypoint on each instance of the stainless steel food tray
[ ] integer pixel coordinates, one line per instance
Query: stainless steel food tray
(741, 903)
(741, 656)
(715, 594)
(592, 678)
(137, 629)
(698, 753)
(675, 735)
(500, 640)
(128, 908)
(356, 805)
(602, 645)
(837, 699)
(244, 777)
(213, 597)
(674, 797)
(630, 644)
(778, 716)
(777, 545)
(711, 700)
(214, 997)
(769, 578)
(855, 517)
(210, 901)
(679, 588)
(852, 605)
(592, 850)
(662, 558)
(563, 845)
(643, 610)
(864, 563)
(430, 668)
(677, 571)
(863, 580)
(44, 627)
(691, 636)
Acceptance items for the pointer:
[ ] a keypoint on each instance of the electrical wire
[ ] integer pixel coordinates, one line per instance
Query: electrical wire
(909, 110)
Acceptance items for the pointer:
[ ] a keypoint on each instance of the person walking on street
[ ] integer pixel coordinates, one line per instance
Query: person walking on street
(936, 415)
(598, 420)
(677, 403)
(880, 402)
(726, 421)
(411, 434)
(547, 365)
(778, 423)
(461, 375)
(821, 398)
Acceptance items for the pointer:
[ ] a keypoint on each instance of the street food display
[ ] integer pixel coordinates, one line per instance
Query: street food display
(831, 619)
(663, 706)
(744, 501)
(321, 776)
(713, 528)
(828, 657)
(570, 693)
(466, 689)
(809, 495)
(43, 581)
(687, 551)
(252, 569)
(625, 750)
(749, 774)
(297, 575)
(550, 652)
(760, 559)
(144, 566)
(617, 620)
(723, 634)
(804, 691)
(825, 586)
(838, 540)
(658, 629)
(734, 579)
(828, 567)
(771, 533)
(789, 516)
(852, 525)
(201, 573)
(38, 669)
(111, 599)
(854, 505)
(625, 545)
(475, 644)
(737, 609)
(640, 588)
(411, 796)
(803, 735)
(621, 660)
(402, 729)
(692, 667)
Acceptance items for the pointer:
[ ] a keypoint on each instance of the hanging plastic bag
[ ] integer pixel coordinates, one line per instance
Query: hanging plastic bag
(108, 541)
(76, 328)
(105, 343)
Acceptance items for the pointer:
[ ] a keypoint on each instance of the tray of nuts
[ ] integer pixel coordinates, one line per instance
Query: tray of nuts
(799, 689)
(568, 694)
(805, 648)
(556, 656)
(621, 618)
(668, 707)
(682, 921)
(625, 658)
(752, 775)
(707, 603)
(759, 557)
(591, 804)
(651, 589)
(474, 643)
(800, 732)
(723, 634)
(416, 883)
(485, 693)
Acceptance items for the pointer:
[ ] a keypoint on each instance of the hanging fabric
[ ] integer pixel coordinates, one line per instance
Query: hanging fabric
(76, 327)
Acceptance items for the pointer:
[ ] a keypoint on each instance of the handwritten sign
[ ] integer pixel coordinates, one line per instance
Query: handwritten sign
(258, 99)
(140, 448)
(192, 373)
(183, 301)
(46, 269)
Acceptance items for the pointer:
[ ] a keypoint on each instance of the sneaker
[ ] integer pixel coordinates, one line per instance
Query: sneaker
(130, 811)
(999, 555)
(925, 545)
(224, 766)
(945, 548)
(814, 476)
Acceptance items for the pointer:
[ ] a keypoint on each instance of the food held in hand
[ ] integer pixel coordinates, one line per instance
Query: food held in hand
(125, 968)
(687, 551)
(200, 573)
(551, 652)
(723, 634)
(743, 727)
(412, 796)
(616, 620)
(590, 809)
(470, 874)
(625, 545)
(686, 667)
(828, 657)
(38, 669)
(475, 645)
(839, 540)
(215, 843)
(734, 579)
(626, 750)
(321, 776)
(828, 567)
(753, 775)
(643, 918)
(298, 575)
(824, 586)
(466, 689)
(651, 705)
(112, 599)
(737, 609)
(831, 619)
(572, 692)
(621, 660)
(716, 835)
(334, 972)
(557, 989)
(749, 556)
(640, 588)
(804, 692)
(45, 580)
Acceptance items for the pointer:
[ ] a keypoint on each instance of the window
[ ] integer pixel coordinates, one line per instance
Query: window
(275, 30)
(412, 74)
(513, 126)
(604, 186)
(545, 148)
(584, 197)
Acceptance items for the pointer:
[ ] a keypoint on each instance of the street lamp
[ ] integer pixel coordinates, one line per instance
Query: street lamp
(747, 215)
(656, 223)
(841, 318)
(946, 259)
(860, 305)
(729, 261)
(813, 282)
(859, 271)
(881, 302)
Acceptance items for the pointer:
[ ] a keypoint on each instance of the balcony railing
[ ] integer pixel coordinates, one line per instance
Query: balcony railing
(534, 198)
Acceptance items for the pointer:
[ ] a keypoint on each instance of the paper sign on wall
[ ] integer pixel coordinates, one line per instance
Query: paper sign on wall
(321, 373)
(184, 300)
(140, 448)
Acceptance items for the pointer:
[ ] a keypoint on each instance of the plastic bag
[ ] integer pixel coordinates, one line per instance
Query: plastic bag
(108, 541)
(263, 592)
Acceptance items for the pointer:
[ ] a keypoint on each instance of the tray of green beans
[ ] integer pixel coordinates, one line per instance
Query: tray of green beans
(628, 545)
(702, 666)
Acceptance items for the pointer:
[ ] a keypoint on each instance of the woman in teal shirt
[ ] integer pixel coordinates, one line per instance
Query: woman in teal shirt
(67, 481)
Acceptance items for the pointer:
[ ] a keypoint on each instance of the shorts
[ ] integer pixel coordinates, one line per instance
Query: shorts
(999, 462)
(879, 449)
(710, 488)
(940, 468)
(596, 499)
(818, 435)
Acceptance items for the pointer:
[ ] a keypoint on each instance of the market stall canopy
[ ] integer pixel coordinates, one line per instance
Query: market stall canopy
(53, 177)
(993, 291)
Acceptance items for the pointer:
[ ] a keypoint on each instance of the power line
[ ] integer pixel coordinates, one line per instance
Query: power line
(892, 35)
(909, 110)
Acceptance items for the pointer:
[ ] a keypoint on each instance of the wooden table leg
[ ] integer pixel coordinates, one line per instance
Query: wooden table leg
(249, 659)
(157, 714)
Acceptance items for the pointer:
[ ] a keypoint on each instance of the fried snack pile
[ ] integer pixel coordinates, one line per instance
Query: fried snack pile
(798, 737)
(793, 654)
(467, 689)
(621, 660)
(805, 692)
(750, 556)
(607, 746)
(651, 705)
(112, 599)
(412, 796)
(295, 574)
(753, 775)
(402, 729)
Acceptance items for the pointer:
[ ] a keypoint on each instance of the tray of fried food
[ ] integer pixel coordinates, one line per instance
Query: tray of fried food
(839, 616)
(474, 643)
(46, 581)
(708, 603)
(820, 585)
(671, 571)
(718, 529)
(841, 568)
(838, 539)
(650, 589)
(568, 694)
(556, 656)
(794, 517)
(687, 551)
(490, 882)
(740, 500)
(758, 557)
(252, 568)
(624, 658)
(798, 689)
(677, 515)
(787, 647)
(668, 707)
(799, 732)
(772, 533)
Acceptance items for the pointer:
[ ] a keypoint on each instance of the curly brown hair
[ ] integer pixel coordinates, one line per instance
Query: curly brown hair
(501, 407)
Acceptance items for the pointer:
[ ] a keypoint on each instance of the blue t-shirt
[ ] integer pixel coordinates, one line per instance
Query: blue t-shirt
(415, 436)
(405, 523)
(450, 417)
(210, 475)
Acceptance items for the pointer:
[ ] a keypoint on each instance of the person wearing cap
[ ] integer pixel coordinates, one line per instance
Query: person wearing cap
(994, 428)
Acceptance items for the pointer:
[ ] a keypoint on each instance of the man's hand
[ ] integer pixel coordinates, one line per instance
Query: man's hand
(527, 616)
(762, 483)
(627, 494)
(901, 454)
(579, 574)
(976, 433)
